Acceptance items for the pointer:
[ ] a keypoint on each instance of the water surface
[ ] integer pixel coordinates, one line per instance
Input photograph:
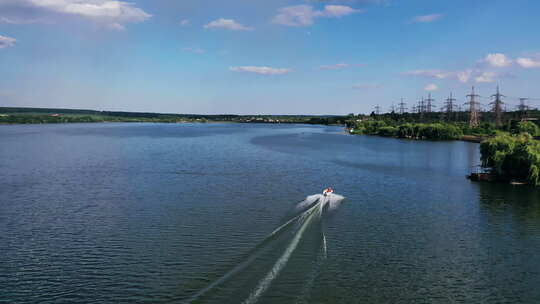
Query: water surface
(154, 213)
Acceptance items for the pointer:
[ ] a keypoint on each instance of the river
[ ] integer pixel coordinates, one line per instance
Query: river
(184, 213)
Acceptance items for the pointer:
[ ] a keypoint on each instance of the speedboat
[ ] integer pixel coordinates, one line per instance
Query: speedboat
(328, 191)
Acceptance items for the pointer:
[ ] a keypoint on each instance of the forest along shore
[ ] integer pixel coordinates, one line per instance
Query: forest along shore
(46, 116)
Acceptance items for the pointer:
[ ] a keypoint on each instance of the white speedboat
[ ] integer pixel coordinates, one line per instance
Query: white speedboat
(328, 191)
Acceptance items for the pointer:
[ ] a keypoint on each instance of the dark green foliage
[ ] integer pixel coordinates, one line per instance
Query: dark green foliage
(513, 157)
(388, 131)
(527, 127)
(485, 129)
(434, 131)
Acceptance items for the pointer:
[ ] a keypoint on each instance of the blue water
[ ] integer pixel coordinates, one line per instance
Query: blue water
(155, 213)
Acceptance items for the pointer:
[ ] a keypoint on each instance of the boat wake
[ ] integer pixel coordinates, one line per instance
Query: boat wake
(269, 261)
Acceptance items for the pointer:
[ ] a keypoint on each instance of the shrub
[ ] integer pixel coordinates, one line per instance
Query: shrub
(388, 131)
(528, 127)
(513, 157)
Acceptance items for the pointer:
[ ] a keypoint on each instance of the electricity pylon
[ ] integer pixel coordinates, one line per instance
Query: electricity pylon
(497, 107)
(474, 119)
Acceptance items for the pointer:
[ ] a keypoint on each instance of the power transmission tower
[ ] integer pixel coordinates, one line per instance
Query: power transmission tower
(402, 108)
(429, 104)
(497, 107)
(392, 108)
(421, 107)
(523, 108)
(458, 113)
(377, 110)
(474, 119)
(449, 107)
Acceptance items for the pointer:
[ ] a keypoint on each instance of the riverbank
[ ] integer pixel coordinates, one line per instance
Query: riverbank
(52, 116)
(439, 130)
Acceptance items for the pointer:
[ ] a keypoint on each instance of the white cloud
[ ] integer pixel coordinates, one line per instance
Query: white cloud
(497, 60)
(263, 70)
(305, 15)
(195, 50)
(228, 24)
(111, 13)
(427, 18)
(528, 63)
(338, 11)
(185, 22)
(486, 77)
(6, 42)
(437, 74)
(464, 76)
(490, 68)
(431, 87)
(17, 20)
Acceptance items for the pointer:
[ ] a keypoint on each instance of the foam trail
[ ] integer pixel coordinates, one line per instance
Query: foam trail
(325, 255)
(282, 261)
(247, 262)
(309, 201)
(313, 207)
(333, 201)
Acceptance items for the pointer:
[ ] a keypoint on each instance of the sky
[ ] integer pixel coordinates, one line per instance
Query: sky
(265, 57)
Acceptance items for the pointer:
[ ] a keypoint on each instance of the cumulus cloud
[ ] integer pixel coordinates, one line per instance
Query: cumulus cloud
(528, 63)
(431, 87)
(426, 18)
(6, 42)
(111, 13)
(263, 70)
(185, 22)
(489, 69)
(486, 77)
(461, 76)
(464, 76)
(227, 24)
(497, 60)
(305, 15)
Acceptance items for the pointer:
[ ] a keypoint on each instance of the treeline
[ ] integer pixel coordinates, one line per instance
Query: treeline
(47, 119)
(110, 115)
(513, 157)
(429, 131)
(434, 130)
(46, 115)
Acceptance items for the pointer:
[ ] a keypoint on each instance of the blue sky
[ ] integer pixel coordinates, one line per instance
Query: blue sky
(264, 57)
